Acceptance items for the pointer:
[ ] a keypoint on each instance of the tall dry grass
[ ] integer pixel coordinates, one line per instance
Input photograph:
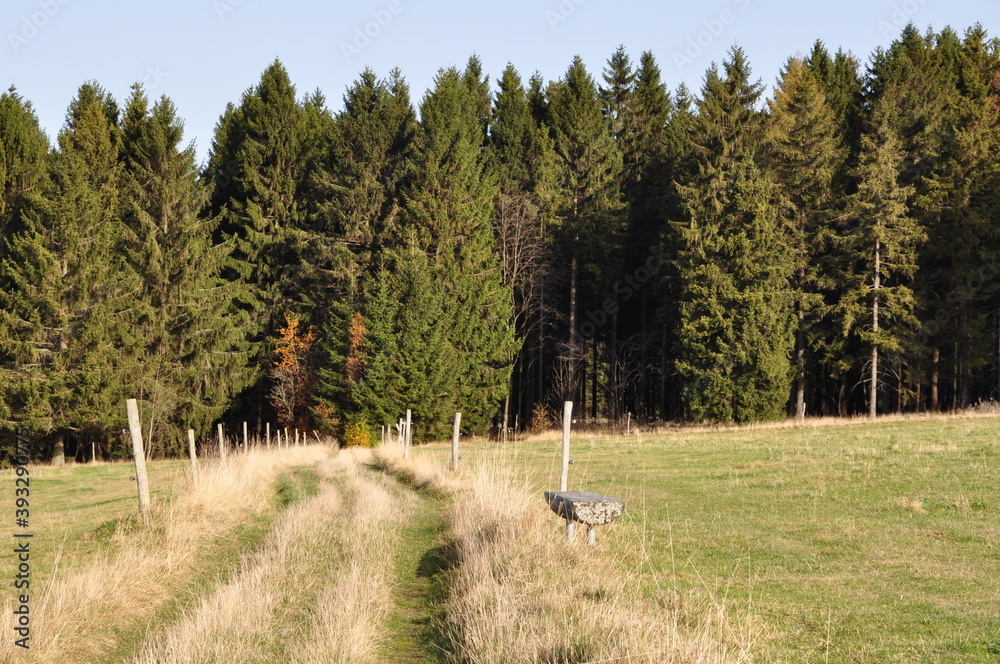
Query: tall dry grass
(76, 615)
(318, 590)
(521, 593)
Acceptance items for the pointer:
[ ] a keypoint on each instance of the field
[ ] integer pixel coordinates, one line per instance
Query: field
(833, 542)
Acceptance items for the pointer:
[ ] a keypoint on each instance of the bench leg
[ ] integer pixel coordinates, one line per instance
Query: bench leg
(591, 535)
(569, 530)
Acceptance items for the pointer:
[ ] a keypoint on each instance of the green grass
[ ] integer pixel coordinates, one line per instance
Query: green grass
(855, 543)
(75, 508)
(422, 560)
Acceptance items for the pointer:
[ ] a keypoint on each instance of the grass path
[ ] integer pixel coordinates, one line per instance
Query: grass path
(419, 588)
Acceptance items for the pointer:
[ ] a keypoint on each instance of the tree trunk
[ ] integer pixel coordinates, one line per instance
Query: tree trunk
(593, 381)
(59, 450)
(642, 405)
(616, 393)
(540, 390)
(873, 395)
(935, 380)
(506, 416)
(800, 369)
(572, 330)
(899, 387)
(663, 375)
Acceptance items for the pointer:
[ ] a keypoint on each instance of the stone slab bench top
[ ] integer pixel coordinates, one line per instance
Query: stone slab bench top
(592, 509)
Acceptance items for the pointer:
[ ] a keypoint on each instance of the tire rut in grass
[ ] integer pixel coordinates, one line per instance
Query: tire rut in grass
(219, 560)
(423, 557)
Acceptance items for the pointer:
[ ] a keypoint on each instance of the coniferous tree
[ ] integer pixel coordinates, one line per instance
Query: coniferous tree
(260, 156)
(479, 88)
(589, 209)
(359, 188)
(23, 151)
(806, 154)
(193, 357)
(954, 203)
(879, 304)
(649, 167)
(446, 305)
(64, 324)
(520, 159)
(736, 322)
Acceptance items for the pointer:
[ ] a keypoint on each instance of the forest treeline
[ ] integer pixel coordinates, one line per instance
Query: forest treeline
(833, 249)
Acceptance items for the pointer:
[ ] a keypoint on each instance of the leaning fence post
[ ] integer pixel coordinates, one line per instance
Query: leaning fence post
(454, 441)
(564, 478)
(222, 444)
(193, 454)
(142, 482)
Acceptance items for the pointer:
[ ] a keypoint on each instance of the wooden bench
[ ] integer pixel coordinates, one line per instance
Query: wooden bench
(591, 509)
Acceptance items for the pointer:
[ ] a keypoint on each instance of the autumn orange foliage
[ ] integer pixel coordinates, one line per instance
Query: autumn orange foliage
(292, 373)
(355, 365)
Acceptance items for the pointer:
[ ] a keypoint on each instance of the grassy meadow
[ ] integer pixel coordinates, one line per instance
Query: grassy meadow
(831, 542)
(845, 542)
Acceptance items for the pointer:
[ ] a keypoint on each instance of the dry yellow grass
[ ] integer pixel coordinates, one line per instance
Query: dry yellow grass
(75, 614)
(521, 593)
(317, 591)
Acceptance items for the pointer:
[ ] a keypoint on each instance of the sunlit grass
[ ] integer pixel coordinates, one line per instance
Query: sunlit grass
(854, 543)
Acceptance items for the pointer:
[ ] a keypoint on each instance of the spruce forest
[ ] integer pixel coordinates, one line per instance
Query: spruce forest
(497, 247)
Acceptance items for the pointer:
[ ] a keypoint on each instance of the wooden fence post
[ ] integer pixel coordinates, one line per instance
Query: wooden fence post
(408, 438)
(222, 444)
(142, 482)
(628, 424)
(268, 427)
(454, 441)
(286, 438)
(564, 478)
(246, 440)
(193, 454)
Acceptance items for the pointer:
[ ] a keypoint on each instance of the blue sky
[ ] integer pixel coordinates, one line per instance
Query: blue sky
(205, 53)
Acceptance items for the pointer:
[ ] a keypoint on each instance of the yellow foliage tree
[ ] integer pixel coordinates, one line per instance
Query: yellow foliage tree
(292, 373)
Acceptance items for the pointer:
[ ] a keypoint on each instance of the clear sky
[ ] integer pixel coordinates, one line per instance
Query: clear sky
(205, 53)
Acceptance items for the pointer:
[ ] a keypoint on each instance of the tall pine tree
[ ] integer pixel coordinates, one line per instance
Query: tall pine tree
(194, 357)
(735, 266)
